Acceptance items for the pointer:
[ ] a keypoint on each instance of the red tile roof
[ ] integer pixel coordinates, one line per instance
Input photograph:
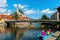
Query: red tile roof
(2, 16)
(23, 18)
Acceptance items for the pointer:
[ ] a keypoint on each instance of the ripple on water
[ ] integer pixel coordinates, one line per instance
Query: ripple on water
(6, 36)
(30, 35)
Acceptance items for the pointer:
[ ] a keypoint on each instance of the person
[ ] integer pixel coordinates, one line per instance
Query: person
(49, 31)
(43, 33)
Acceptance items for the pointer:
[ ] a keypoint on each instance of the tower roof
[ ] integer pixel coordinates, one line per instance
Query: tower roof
(58, 9)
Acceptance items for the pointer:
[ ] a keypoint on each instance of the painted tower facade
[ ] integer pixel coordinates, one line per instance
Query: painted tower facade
(56, 15)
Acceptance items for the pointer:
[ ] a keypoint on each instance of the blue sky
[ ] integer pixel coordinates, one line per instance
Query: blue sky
(32, 8)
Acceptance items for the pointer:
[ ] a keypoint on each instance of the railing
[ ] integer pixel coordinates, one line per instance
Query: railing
(32, 21)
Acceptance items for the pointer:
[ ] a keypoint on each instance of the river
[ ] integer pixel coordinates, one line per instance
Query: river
(31, 35)
(27, 35)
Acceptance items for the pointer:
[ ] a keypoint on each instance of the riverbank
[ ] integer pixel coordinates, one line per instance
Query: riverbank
(54, 36)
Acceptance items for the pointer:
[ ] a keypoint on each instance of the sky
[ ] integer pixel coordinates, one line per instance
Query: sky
(32, 8)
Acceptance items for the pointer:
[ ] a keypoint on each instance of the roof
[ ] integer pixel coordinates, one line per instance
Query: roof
(2, 16)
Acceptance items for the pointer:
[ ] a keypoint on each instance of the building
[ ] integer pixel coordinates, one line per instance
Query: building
(56, 15)
(53, 16)
(5, 17)
(21, 15)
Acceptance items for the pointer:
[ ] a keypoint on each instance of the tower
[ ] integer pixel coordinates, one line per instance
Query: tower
(58, 13)
(17, 10)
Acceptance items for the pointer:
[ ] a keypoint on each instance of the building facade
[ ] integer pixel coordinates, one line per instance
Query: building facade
(56, 15)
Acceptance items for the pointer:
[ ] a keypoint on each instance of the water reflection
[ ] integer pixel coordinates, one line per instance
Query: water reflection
(6, 36)
(11, 34)
(28, 35)
(31, 35)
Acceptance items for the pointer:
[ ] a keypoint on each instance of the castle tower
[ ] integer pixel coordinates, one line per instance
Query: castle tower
(17, 10)
(58, 13)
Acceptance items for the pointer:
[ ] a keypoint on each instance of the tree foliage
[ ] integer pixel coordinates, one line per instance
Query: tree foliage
(44, 17)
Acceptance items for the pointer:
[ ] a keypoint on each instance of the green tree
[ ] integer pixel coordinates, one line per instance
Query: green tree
(44, 25)
(44, 17)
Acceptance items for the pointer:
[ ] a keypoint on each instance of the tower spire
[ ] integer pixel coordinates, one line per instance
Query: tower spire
(17, 9)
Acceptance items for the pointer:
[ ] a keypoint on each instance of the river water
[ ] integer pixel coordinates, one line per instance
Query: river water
(34, 35)
(28, 35)
(31, 35)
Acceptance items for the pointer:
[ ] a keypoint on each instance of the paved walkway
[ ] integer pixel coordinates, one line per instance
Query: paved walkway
(54, 36)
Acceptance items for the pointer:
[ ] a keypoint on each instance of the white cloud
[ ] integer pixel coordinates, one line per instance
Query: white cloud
(2, 10)
(30, 11)
(9, 12)
(15, 5)
(47, 11)
(3, 3)
(20, 6)
(25, 9)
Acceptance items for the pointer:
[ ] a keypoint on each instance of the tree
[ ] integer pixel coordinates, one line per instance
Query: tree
(44, 25)
(44, 17)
